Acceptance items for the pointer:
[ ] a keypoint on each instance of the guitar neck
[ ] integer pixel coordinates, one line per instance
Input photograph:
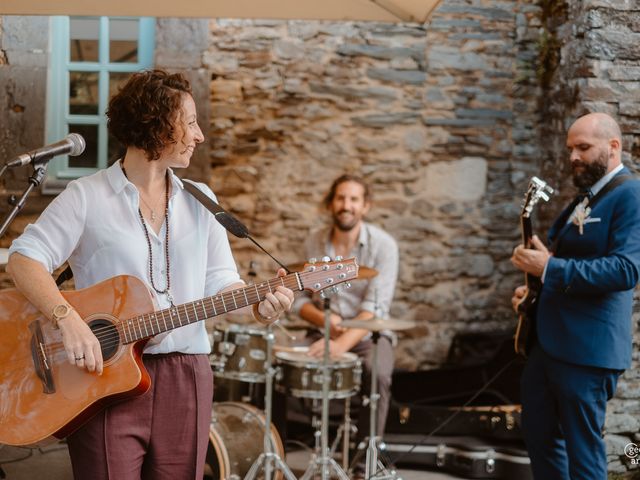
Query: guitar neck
(530, 281)
(150, 324)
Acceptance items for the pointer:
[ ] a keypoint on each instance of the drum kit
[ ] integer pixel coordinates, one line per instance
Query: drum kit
(246, 353)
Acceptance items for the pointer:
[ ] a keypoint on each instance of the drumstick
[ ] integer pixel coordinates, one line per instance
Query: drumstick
(286, 332)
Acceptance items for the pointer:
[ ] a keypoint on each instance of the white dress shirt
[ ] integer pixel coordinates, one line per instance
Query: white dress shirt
(375, 249)
(94, 223)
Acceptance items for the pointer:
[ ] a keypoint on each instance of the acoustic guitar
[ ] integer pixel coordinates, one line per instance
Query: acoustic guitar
(43, 397)
(537, 190)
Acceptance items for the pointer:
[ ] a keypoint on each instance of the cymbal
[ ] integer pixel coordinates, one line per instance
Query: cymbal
(378, 324)
(364, 273)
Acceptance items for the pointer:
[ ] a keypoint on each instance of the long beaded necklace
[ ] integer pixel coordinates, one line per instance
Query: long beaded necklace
(166, 291)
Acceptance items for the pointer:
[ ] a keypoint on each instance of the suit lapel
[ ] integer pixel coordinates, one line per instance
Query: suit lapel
(562, 226)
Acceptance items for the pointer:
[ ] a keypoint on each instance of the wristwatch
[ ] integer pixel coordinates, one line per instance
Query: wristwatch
(58, 313)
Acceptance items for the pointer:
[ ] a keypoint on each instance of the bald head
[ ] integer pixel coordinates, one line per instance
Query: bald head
(594, 142)
(600, 126)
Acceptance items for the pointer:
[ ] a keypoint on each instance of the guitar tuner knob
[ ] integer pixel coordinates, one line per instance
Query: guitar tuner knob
(313, 260)
(323, 294)
(347, 285)
(338, 258)
(326, 259)
(311, 268)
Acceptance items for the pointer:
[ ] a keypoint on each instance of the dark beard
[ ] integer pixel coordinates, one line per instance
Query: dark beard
(344, 227)
(592, 172)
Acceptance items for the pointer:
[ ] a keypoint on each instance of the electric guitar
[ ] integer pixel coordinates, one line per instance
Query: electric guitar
(537, 190)
(44, 397)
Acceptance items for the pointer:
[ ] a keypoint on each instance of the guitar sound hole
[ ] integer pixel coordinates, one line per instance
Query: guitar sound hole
(107, 335)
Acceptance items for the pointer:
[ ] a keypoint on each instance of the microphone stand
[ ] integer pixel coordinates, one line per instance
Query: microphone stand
(40, 170)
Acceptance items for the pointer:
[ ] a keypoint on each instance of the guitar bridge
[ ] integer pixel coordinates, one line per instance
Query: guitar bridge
(39, 357)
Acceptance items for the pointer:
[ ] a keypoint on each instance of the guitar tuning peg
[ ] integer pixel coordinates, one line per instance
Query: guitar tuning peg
(323, 295)
(347, 285)
(338, 258)
(313, 260)
(326, 259)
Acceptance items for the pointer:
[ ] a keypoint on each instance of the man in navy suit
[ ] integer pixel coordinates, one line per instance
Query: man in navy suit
(583, 318)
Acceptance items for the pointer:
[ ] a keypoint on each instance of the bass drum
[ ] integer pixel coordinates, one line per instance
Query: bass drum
(236, 439)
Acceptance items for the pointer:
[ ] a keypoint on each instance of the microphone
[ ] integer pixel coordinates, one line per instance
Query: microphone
(73, 144)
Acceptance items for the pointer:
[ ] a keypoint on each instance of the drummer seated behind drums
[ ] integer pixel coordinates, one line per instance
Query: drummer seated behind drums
(348, 201)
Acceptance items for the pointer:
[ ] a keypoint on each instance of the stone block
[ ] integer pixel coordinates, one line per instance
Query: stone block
(622, 422)
(483, 113)
(382, 120)
(610, 44)
(288, 49)
(463, 180)
(445, 57)
(220, 63)
(629, 109)
(180, 42)
(226, 90)
(382, 52)
(413, 77)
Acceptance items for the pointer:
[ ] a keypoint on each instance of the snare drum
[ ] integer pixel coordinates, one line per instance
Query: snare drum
(239, 353)
(301, 375)
(236, 441)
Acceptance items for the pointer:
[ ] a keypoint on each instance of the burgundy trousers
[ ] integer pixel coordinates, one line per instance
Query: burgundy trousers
(160, 435)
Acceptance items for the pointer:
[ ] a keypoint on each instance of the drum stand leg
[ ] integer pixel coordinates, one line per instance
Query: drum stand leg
(374, 468)
(269, 460)
(323, 461)
(345, 430)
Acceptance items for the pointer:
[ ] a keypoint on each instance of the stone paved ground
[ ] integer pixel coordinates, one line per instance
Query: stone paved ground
(52, 463)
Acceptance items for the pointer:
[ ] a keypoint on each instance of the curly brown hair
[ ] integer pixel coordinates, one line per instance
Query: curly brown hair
(143, 113)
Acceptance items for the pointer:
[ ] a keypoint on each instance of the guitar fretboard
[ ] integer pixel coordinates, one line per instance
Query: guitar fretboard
(150, 324)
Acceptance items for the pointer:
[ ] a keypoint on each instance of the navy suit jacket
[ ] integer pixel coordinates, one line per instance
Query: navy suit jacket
(584, 307)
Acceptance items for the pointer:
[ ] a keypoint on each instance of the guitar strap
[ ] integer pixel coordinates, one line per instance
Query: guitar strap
(615, 182)
(209, 204)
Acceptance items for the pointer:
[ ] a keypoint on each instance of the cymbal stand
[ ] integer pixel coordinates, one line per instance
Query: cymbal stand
(323, 460)
(269, 460)
(374, 468)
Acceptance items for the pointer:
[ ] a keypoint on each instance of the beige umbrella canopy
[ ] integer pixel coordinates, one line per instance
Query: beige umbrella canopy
(375, 10)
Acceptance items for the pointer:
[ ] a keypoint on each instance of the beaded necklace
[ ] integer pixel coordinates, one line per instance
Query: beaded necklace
(166, 291)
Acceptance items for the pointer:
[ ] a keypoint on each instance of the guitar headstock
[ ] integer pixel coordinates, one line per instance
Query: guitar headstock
(537, 190)
(316, 276)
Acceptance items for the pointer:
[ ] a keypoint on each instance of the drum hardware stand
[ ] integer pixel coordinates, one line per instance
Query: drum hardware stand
(375, 445)
(269, 460)
(323, 460)
(345, 431)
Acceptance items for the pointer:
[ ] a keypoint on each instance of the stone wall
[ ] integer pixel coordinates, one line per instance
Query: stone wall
(599, 70)
(426, 113)
(23, 77)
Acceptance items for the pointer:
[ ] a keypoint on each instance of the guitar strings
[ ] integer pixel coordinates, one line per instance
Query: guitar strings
(113, 334)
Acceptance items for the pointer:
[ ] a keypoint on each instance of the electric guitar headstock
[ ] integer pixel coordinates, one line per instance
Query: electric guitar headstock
(537, 190)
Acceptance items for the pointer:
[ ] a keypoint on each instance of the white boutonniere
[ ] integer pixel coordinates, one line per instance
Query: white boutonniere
(580, 214)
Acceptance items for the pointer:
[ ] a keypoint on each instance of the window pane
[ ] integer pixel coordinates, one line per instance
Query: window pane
(89, 158)
(83, 93)
(123, 41)
(83, 38)
(117, 80)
